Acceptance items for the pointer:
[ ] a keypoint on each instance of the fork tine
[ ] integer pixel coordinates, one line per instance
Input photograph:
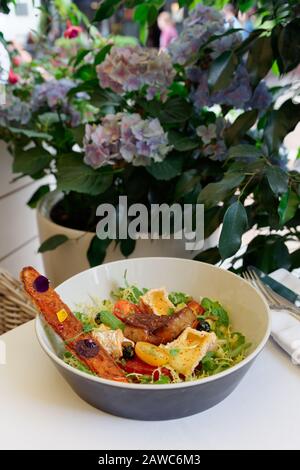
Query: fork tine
(259, 284)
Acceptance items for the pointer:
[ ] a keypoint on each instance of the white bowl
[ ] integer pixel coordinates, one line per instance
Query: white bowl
(248, 312)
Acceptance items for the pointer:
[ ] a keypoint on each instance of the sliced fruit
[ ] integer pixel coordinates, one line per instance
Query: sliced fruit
(151, 354)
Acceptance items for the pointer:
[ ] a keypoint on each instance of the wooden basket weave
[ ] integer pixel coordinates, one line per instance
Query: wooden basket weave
(15, 308)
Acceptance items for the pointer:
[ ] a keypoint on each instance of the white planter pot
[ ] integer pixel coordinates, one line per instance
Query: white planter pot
(70, 258)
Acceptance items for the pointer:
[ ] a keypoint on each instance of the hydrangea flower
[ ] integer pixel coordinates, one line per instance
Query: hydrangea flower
(102, 143)
(142, 140)
(202, 23)
(15, 110)
(53, 94)
(207, 133)
(128, 69)
(125, 136)
(261, 98)
(238, 94)
(212, 137)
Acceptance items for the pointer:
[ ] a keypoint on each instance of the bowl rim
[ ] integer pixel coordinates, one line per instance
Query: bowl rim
(219, 375)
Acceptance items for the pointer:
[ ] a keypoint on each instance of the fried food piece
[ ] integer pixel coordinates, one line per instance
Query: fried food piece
(58, 315)
(158, 329)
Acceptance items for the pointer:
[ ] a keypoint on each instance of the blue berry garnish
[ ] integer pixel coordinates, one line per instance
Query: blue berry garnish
(87, 348)
(41, 284)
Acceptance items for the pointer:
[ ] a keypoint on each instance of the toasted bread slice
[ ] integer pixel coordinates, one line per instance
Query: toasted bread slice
(58, 315)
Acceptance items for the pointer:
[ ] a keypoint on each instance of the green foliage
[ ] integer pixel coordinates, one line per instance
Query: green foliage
(222, 70)
(52, 243)
(97, 250)
(249, 188)
(37, 195)
(235, 224)
(74, 175)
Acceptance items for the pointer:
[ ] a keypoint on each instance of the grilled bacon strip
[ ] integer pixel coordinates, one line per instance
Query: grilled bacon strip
(70, 329)
(158, 329)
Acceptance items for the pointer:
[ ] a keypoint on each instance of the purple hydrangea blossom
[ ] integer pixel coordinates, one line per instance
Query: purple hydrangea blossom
(53, 94)
(212, 137)
(128, 69)
(202, 23)
(261, 98)
(15, 110)
(142, 140)
(102, 143)
(238, 94)
(125, 136)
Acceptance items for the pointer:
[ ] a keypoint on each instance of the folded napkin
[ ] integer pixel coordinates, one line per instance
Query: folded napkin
(285, 328)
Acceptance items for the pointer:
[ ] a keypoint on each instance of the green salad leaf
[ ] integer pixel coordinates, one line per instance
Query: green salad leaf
(179, 298)
(216, 310)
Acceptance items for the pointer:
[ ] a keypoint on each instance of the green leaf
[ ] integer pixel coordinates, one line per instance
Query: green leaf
(213, 218)
(278, 179)
(107, 8)
(141, 13)
(260, 59)
(241, 125)
(216, 310)
(74, 175)
(288, 46)
(80, 56)
(244, 151)
(179, 298)
(52, 243)
(221, 71)
(186, 183)
(37, 195)
(167, 169)
(47, 119)
(280, 123)
(31, 161)
(29, 133)
(97, 250)
(127, 246)
(245, 5)
(86, 72)
(211, 256)
(181, 142)
(175, 110)
(88, 86)
(102, 54)
(144, 32)
(268, 253)
(216, 192)
(235, 224)
(288, 206)
(295, 259)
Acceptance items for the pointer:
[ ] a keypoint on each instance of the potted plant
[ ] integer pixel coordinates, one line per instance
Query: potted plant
(194, 123)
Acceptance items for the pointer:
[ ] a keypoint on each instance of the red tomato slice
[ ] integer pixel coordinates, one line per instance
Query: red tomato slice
(124, 308)
(196, 307)
(136, 366)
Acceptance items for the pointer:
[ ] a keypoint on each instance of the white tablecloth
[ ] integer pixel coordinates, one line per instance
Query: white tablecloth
(38, 410)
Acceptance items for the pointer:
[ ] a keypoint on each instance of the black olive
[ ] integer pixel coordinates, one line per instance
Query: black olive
(128, 351)
(203, 326)
(98, 318)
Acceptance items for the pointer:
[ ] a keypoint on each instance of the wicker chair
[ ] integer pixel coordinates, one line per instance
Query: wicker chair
(15, 308)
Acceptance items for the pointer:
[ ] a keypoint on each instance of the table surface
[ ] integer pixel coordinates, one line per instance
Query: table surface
(38, 410)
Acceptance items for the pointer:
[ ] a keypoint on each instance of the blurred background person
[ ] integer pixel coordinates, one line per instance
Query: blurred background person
(230, 15)
(246, 21)
(168, 31)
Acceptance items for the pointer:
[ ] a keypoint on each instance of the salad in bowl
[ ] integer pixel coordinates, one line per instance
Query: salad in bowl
(150, 338)
(141, 335)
